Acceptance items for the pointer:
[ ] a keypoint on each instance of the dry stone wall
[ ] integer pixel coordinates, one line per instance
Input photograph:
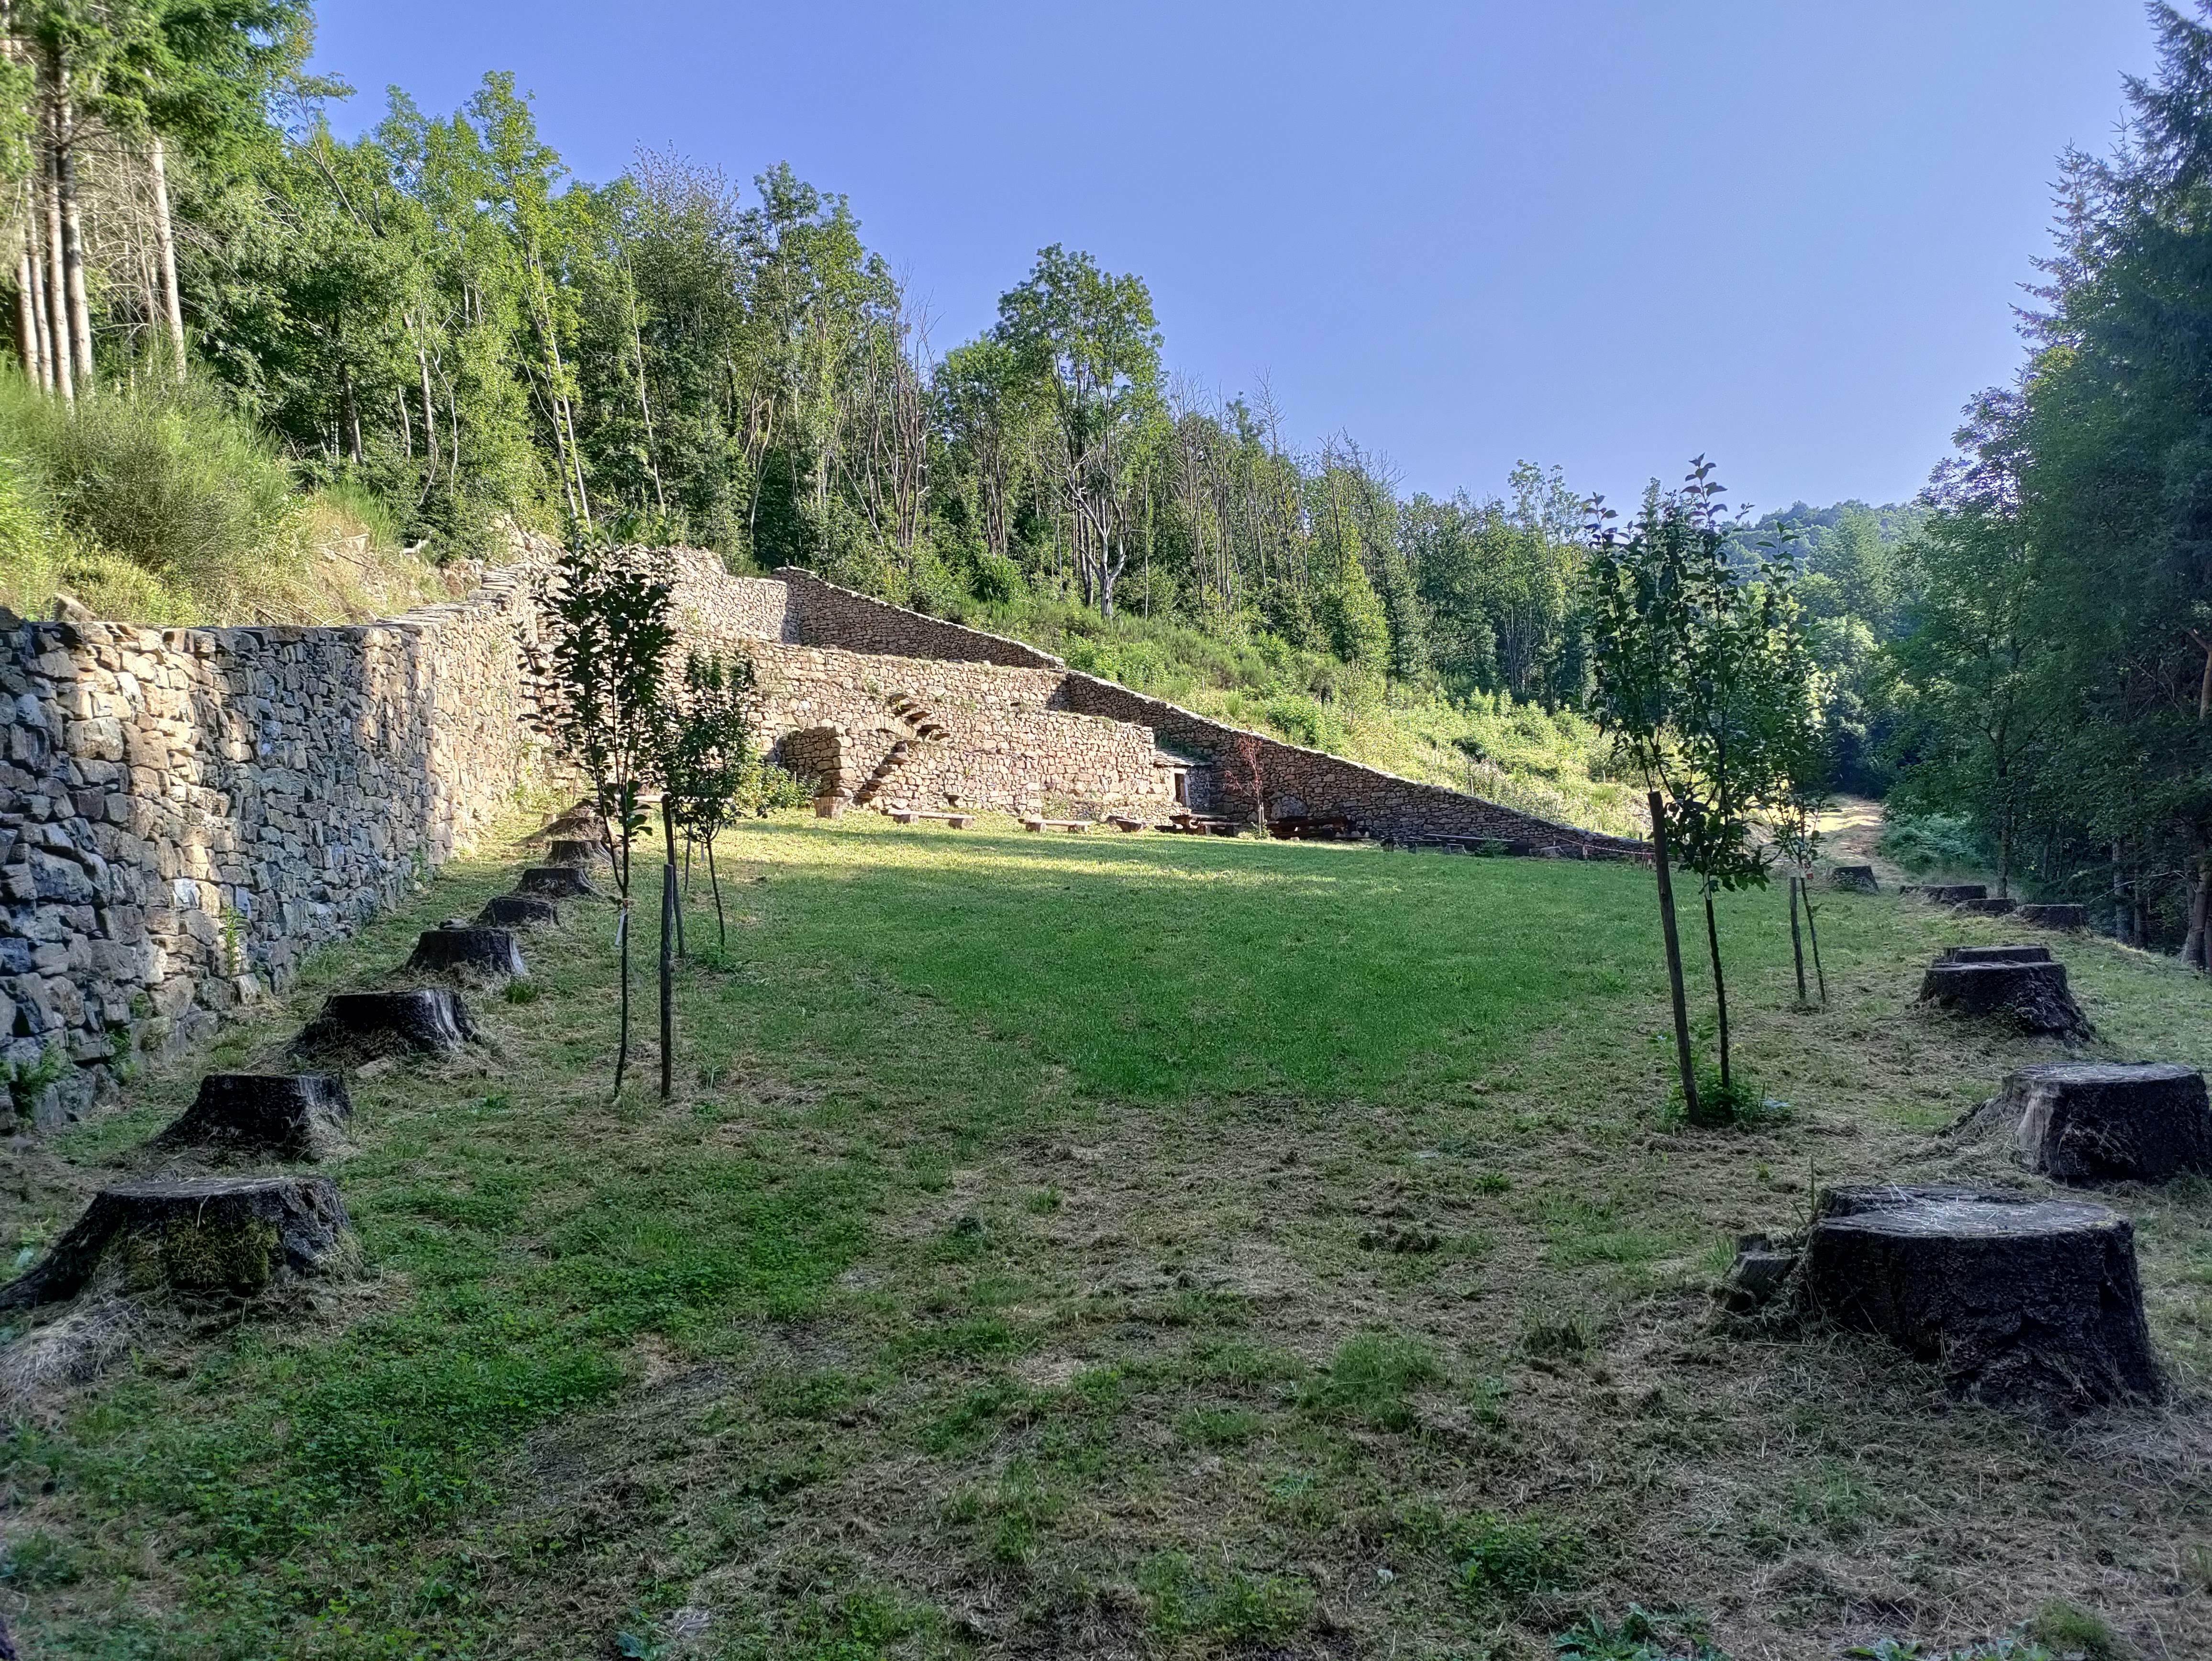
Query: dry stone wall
(183, 812)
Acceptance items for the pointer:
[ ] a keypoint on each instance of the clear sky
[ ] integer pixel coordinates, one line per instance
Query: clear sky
(1597, 233)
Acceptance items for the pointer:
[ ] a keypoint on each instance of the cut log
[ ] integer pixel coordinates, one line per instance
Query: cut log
(2033, 995)
(429, 1020)
(582, 855)
(1995, 954)
(556, 882)
(2091, 1122)
(2055, 916)
(2014, 1297)
(474, 954)
(1952, 893)
(234, 1235)
(518, 911)
(285, 1115)
(1989, 908)
(1854, 879)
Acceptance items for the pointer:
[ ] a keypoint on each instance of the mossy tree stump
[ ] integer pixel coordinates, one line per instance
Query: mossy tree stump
(1952, 893)
(476, 954)
(576, 853)
(429, 1020)
(518, 911)
(285, 1115)
(556, 882)
(2091, 1122)
(2055, 916)
(207, 1236)
(1986, 906)
(2014, 1298)
(1854, 879)
(2032, 995)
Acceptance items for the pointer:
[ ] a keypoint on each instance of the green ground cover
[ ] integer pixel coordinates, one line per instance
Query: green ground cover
(1105, 1246)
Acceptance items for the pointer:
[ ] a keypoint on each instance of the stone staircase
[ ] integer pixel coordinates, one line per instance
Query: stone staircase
(922, 723)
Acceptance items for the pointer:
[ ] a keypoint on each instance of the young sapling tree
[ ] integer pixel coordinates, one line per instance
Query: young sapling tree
(611, 639)
(711, 762)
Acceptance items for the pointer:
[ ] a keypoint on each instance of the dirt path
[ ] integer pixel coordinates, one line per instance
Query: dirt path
(1849, 831)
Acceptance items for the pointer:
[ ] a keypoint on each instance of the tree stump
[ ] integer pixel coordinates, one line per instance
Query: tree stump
(2014, 1297)
(1995, 954)
(1989, 908)
(518, 911)
(2091, 1122)
(2032, 994)
(2055, 916)
(205, 1235)
(294, 1115)
(556, 882)
(573, 851)
(476, 954)
(1952, 893)
(1854, 879)
(429, 1020)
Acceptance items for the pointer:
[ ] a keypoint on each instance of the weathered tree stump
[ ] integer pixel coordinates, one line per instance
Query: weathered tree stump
(1854, 879)
(556, 882)
(518, 911)
(2033, 995)
(573, 851)
(1989, 908)
(429, 1020)
(2090, 1122)
(476, 954)
(2055, 916)
(1995, 954)
(236, 1235)
(1952, 893)
(288, 1116)
(2013, 1297)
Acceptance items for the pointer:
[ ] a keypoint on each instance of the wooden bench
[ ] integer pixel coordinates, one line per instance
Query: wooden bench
(1200, 825)
(1124, 823)
(909, 815)
(1073, 826)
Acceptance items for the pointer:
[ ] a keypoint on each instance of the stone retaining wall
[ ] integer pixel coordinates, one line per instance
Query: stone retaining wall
(183, 812)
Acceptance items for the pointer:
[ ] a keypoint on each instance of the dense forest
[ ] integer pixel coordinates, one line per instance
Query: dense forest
(265, 339)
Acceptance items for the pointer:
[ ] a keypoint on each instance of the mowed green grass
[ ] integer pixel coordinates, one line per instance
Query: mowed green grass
(1101, 1246)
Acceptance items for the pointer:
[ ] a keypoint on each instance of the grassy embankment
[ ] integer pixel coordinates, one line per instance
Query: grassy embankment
(1147, 1246)
(157, 506)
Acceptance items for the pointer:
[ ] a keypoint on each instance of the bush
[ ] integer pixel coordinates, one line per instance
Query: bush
(1934, 841)
(1720, 1107)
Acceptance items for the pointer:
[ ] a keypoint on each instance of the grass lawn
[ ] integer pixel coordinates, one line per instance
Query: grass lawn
(1108, 1247)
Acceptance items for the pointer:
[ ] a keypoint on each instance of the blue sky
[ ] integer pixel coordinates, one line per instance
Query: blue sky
(1593, 232)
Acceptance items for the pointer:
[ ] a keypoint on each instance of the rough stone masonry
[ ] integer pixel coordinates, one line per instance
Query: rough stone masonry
(184, 812)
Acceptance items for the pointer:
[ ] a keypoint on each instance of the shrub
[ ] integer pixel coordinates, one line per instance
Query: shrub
(1934, 842)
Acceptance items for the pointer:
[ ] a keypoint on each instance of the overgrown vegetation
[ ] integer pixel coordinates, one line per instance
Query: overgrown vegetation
(1180, 1245)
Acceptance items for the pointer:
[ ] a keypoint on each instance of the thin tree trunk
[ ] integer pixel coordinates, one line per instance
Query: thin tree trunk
(622, 936)
(1682, 1055)
(714, 881)
(1813, 933)
(1796, 943)
(31, 348)
(667, 974)
(2004, 857)
(1720, 986)
(58, 327)
(165, 242)
(668, 841)
(2192, 946)
(349, 413)
(72, 232)
(430, 405)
